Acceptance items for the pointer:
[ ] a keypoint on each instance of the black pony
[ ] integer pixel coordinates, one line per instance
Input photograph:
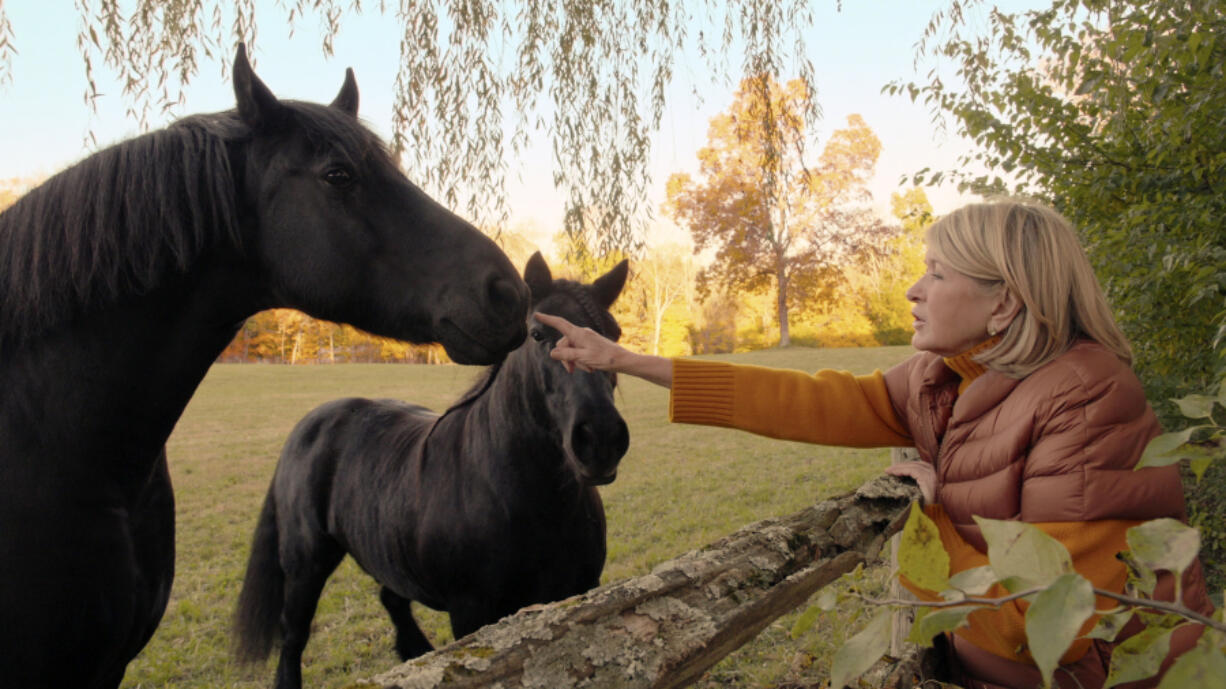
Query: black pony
(122, 279)
(478, 512)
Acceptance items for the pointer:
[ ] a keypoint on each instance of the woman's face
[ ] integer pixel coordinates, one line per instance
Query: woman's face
(951, 309)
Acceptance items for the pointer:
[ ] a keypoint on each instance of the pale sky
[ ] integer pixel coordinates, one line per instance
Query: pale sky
(44, 119)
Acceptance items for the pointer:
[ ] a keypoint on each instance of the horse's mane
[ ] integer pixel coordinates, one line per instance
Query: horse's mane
(115, 224)
(124, 219)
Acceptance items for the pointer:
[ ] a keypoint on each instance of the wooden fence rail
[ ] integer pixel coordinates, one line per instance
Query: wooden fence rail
(665, 628)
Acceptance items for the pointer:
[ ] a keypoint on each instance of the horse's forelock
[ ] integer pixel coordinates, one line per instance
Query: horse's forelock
(600, 319)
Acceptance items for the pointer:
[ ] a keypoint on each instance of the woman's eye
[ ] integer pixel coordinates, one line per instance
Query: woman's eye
(338, 177)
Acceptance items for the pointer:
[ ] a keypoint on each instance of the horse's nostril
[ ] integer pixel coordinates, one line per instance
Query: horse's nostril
(583, 436)
(601, 444)
(504, 298)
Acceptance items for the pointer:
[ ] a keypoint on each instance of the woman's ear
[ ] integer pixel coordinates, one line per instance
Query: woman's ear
(1008, 305)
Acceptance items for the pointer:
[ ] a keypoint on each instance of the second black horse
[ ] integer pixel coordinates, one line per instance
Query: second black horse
(480, 511)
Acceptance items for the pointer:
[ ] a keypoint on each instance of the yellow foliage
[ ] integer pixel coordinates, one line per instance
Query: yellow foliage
(841, 326)
(14, 188)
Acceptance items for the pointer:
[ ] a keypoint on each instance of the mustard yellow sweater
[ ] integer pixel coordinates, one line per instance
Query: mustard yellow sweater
(839, 408)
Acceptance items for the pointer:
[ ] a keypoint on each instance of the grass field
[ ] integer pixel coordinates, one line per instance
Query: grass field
(679, 487)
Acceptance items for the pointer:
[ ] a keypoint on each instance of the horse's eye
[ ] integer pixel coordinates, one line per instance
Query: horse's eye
(338, 177)
(538, 335)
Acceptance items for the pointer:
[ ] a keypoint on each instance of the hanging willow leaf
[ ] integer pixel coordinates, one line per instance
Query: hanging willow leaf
(479, 79)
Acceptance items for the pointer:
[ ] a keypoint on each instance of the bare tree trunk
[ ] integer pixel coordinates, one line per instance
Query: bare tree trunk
(664, 629)
(781, 309)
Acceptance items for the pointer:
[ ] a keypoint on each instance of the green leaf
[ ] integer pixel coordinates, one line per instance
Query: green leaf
(1203, 667)
(1023, 556)
(1200, 466)
(1054, 619)
(937, 621)
(862, 650)
(1090, 83)
(1164, 449)
(975, 581)
(1108, 626)
(921, 556)
(806, 621)
(1164, 544)
(1141, 578)
(1139, 657)
(1196, 406)
(827, 599)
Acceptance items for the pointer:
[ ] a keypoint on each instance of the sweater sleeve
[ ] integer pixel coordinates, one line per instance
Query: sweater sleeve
(1092, 546)
(827, 407)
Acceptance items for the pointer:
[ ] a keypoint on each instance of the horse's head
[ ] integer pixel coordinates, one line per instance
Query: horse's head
(343, 235)
(594, 436)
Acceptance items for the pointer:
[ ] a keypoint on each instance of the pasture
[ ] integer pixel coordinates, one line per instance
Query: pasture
(679, 487)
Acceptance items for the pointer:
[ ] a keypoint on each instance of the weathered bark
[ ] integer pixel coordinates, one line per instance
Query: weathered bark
(663, 629)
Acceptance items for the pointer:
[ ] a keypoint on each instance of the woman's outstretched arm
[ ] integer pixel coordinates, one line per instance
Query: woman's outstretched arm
(588, 350)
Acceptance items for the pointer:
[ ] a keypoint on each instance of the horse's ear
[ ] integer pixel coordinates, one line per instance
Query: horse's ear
(347, 99)
(256, 104)
(607, 287)
(538, 277)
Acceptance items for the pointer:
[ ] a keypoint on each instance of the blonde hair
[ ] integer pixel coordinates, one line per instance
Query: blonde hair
(1032, 251)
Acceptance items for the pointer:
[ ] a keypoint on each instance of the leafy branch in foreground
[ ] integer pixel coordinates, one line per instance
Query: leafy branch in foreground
(1037, 569)
(1200, 444)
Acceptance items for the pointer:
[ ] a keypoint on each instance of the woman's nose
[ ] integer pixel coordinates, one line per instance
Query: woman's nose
(913, 292)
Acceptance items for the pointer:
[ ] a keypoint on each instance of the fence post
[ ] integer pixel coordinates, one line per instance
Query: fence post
(900, 626)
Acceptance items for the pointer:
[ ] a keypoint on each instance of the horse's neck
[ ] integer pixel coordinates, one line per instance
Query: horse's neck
(510, 416)
(133, 365)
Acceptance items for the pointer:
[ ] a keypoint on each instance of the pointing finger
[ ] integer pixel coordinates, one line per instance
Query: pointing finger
(556, 322)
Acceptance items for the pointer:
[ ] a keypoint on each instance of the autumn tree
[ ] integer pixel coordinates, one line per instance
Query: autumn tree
(662, 285)
(476, 78)
(778, 219)
(883, 277)
(14, 188)
(579, 257)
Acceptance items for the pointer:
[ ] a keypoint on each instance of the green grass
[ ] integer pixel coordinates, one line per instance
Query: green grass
(679, 487)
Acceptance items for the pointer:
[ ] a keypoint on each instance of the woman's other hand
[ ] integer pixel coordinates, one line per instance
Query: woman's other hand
(924, 475)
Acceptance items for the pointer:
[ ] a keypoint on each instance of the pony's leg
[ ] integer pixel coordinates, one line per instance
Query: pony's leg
(470, 614)
(410, 641)
(303, 585)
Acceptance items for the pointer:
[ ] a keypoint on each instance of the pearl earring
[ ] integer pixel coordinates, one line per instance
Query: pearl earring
(991, 331)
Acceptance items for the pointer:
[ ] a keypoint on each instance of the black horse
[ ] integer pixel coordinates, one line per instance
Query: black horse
(122, 279)
(483, 510)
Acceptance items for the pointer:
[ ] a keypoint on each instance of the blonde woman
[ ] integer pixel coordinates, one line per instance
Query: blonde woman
(1021, 402)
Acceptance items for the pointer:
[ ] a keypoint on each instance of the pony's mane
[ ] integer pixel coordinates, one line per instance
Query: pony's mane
(602, 322)
(123, 220)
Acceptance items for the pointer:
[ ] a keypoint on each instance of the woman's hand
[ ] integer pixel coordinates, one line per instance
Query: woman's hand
(924, 475)
(581, 348)
(588, 350)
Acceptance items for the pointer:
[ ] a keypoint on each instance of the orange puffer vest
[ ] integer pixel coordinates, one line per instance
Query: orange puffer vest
(1056, 446)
